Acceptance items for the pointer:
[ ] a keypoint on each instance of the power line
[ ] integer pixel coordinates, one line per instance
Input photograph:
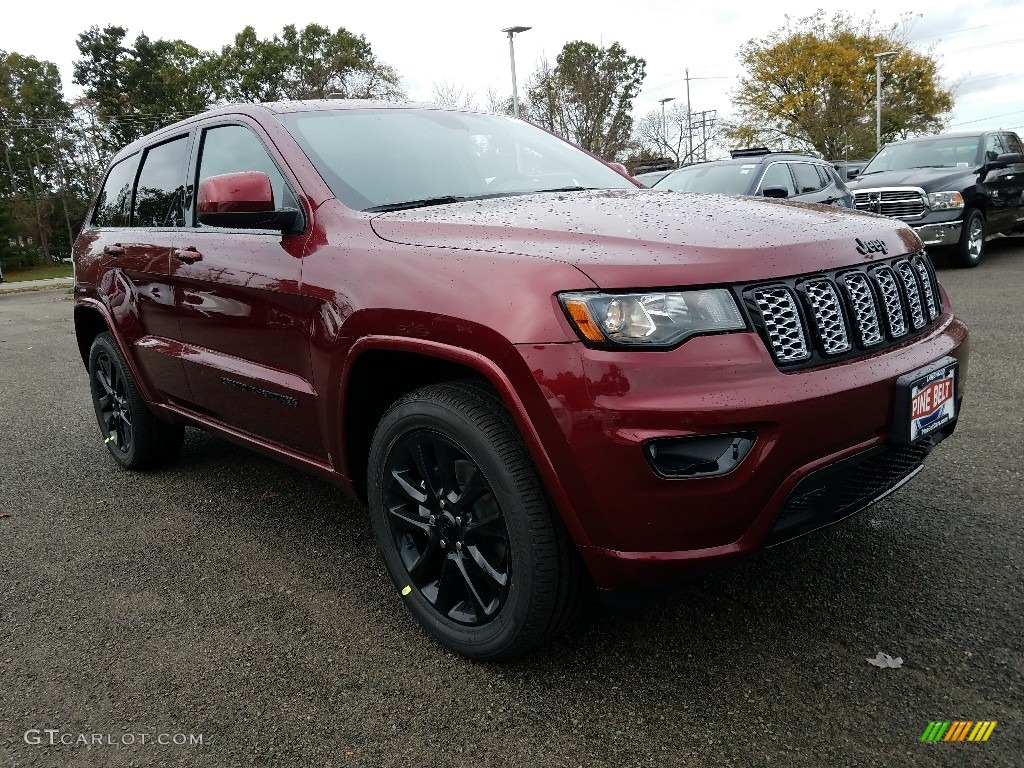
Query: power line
(990, 117)
(950, 32)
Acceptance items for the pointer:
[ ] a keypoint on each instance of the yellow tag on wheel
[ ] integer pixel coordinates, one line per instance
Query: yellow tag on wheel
(406, 590)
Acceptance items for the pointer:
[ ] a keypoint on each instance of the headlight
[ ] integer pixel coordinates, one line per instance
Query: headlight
(945, 201)
(651, 319)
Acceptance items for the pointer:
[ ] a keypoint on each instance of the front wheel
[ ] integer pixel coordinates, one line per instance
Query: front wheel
(971, 248)
(465, 527)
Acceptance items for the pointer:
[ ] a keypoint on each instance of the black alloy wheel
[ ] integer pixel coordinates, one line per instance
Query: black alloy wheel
(447, 527)
(113, 406)
(472, 543)
(133, 435)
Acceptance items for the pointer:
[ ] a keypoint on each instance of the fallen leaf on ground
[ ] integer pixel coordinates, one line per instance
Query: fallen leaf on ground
(271, 494)
(885, 660)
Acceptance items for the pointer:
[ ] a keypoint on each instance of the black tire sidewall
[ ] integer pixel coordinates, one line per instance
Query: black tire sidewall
(133, 457)
(495, 637)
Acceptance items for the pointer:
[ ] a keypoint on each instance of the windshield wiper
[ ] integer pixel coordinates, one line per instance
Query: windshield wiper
(426, 201)
(562, 189)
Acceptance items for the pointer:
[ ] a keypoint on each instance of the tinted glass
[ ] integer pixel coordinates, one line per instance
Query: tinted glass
(994, 147)
(113, 208)
(778, 175)
(807, 179)
(1012, 143)
(948, 152)
(234, 148)
(373, 158)
(160, 193)
(730, 179)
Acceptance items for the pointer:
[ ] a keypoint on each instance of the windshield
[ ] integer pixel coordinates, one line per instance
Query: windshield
(392, 158)
(949, 152)
(729, 179)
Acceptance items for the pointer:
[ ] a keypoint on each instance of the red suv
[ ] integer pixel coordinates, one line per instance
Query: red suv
(539, 377)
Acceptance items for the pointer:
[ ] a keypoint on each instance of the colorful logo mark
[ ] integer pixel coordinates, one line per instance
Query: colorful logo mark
(958, 730)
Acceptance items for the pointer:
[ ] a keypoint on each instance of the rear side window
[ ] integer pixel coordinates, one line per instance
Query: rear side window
(807, 179)
(234, 148)
(1012, 144)
(160, 193)
(113, 208)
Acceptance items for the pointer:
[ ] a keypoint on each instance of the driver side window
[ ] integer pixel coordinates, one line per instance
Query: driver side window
(234, 148)
(778, 175)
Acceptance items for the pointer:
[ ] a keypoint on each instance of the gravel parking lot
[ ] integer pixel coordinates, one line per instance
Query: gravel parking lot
(238, 603)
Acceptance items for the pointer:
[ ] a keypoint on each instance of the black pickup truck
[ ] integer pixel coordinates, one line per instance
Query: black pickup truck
(954, 189)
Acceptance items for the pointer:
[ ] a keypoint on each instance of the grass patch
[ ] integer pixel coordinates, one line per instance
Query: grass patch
(38, 273)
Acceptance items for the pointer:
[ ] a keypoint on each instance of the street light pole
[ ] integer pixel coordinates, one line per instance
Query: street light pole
(878, 96)
(664, 133)
(512, 57)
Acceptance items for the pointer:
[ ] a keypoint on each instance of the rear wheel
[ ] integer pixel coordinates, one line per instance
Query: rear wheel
(971, 248)
(465, 527)
(133, 435)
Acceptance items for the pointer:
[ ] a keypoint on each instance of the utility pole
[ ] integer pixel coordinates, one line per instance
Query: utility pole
(689, 123)
(664, 133)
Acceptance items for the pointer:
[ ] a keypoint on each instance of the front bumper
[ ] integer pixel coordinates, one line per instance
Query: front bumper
(594, 410)
(946, 233)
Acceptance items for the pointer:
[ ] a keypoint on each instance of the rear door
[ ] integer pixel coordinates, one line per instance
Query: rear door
(243, 320)
(140, 209)
(812, 187)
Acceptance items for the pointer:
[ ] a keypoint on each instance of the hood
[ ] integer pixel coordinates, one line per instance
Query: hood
(929, 179)
(638, 238)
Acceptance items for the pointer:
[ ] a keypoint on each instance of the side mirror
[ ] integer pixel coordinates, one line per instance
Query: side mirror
(779, 192)
(1005, 159)
(853, 173)
(242, 201)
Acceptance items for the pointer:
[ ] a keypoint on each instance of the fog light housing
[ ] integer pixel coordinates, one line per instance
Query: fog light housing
(698, 455)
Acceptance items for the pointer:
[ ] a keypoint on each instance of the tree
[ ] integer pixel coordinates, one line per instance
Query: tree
(146, 86)
(311, 63)
(33, 114)
(810, 85)
(683, 137)
(587, 97)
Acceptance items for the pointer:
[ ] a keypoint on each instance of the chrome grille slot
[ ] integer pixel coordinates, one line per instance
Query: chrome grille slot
(865, 311)
(930, 293)
(782, 324)
(828, 316)
(917, 311)
(890, 292)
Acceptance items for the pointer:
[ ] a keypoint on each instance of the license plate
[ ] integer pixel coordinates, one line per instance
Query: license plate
(926, 401)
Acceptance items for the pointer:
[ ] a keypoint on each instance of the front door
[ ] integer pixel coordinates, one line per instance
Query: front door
(243, 321)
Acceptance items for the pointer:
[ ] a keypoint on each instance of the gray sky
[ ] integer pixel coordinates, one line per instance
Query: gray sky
(979, 44)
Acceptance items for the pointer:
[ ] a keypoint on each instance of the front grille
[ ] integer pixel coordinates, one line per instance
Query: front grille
(819, 318)
(898, 203)
(841, 489)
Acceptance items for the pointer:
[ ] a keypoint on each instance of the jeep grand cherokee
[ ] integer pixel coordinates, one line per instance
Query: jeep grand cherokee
(538, 377)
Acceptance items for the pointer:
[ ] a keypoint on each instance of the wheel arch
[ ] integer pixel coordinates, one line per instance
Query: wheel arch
(364, 399)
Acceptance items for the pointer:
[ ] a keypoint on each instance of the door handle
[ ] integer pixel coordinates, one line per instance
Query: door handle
(187, 255)
(113, 250)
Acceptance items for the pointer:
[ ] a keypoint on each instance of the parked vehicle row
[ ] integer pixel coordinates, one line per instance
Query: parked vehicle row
(539, 377)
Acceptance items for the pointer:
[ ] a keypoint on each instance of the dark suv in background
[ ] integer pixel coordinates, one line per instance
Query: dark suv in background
(537, 376)
(954, 189)
(763, 173)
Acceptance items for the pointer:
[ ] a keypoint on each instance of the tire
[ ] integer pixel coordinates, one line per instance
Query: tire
(971, 249)
(465, 527)
(133, 435)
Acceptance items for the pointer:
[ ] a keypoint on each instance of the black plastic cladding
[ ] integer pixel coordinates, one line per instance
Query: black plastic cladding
(817, 355)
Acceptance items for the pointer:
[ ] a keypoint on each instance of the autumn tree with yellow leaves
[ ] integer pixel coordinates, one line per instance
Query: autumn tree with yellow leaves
(810, 85)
